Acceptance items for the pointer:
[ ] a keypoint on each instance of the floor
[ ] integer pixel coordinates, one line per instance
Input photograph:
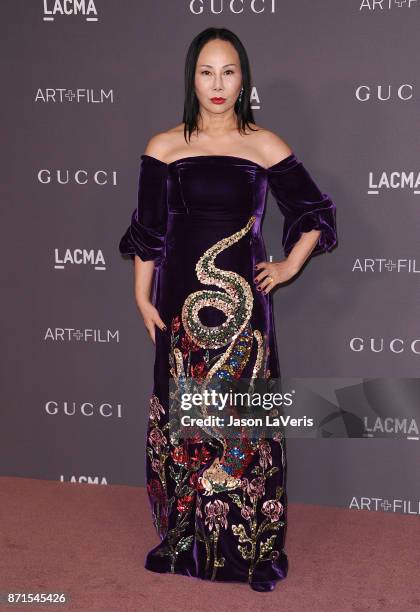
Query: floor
(90, 541)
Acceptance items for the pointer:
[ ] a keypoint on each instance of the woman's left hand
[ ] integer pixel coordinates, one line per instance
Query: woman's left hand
(273, 273)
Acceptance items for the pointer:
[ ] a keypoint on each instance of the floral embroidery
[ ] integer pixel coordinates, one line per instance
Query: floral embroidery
(265, 454)
(180, 464)
(157, 439)
(156, 408)
(273, 509)
(157, 452)
(216, 517)
(186, 471)
(183, 464)
(252, 545)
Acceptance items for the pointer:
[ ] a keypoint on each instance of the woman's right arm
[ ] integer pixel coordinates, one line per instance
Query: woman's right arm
(144, 239)
(143, 281)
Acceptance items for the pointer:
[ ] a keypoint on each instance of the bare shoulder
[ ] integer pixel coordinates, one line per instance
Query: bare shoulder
(272, 146)
(161, 144)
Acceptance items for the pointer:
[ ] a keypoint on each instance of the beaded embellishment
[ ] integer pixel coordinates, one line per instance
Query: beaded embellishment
(235, 302)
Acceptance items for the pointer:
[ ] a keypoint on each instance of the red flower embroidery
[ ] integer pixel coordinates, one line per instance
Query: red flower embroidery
(176, 324)
(196, 439)
(184, 503)
(188, 344)
(199, 370)
(194, 480)
(179, 455)
(154, 488)
(200, 456)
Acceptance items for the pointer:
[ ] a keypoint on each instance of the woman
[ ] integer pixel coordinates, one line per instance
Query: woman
(219, 505)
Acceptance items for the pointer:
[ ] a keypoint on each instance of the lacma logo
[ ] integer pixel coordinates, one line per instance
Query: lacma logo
(85, 479)
(79, 257)
(391, 427)
(61, 8)
(255, 99)
(394, 180)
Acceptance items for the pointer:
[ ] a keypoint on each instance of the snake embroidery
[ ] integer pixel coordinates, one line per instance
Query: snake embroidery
(236, 302)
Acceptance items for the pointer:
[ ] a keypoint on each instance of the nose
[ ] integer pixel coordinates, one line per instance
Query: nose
(218, 83)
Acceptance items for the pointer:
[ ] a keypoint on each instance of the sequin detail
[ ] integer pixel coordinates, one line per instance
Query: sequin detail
(236, 302)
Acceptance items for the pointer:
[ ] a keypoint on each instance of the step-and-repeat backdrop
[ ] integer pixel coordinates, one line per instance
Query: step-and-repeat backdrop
(85, 85)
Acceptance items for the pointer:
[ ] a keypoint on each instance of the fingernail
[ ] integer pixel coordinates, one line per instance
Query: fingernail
(164, 328)
(258, 288)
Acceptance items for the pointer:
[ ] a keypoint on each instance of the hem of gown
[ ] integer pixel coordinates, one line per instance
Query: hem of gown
(263, 585)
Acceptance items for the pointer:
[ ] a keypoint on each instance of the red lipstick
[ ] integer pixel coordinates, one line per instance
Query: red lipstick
(218, 100)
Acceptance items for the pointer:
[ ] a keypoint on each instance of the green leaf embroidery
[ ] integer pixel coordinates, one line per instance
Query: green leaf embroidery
(245, 552)
(174, 475)
(270, 527)
(271, 471)
(266, 548)
(279, 492)
(184, 544)
(236, 499)
(239, 530)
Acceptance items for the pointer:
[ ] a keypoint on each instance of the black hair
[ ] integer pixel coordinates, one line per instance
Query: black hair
(191, 104)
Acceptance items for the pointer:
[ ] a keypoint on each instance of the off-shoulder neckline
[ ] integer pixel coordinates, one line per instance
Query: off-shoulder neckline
(290, 157)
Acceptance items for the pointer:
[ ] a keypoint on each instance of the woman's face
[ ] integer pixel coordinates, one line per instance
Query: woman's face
(218, 76)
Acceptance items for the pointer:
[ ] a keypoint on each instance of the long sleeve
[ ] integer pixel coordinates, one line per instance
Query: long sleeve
(146, 234)
(303, 205)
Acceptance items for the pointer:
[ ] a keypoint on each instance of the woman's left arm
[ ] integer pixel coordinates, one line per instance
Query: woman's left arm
(309, 220)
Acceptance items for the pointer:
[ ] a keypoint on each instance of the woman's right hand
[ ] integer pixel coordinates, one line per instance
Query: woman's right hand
(151, 318)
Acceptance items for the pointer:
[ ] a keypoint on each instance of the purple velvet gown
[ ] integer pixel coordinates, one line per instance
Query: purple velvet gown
(199, 219)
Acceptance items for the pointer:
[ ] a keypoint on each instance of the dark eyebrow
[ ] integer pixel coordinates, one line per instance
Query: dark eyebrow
(210, 66)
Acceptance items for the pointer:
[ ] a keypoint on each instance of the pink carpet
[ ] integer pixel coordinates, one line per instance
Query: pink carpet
(90, 542)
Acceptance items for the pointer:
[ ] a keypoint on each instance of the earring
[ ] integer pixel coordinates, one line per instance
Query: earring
(240, 95)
